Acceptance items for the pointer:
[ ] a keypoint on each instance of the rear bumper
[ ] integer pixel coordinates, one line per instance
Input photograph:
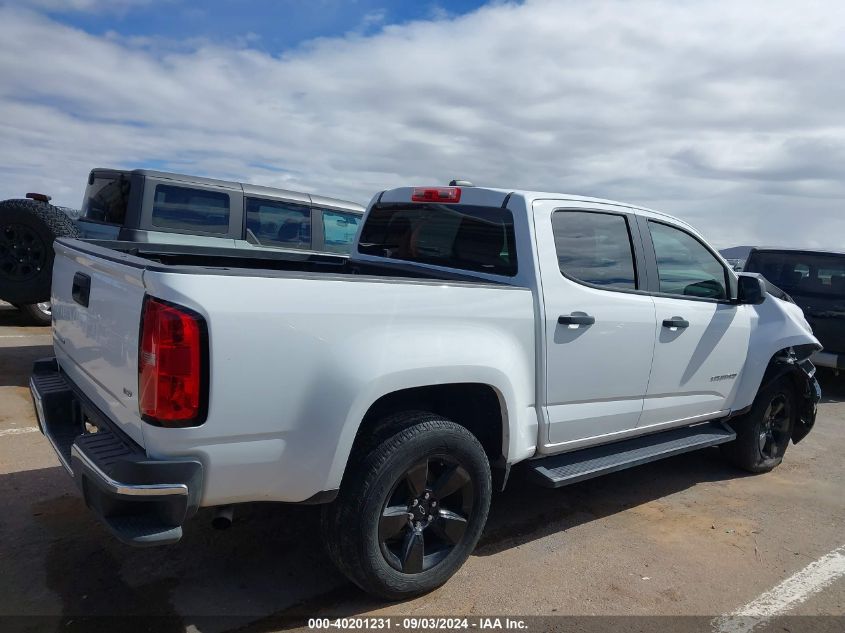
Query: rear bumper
(142, 501)
(831, 360)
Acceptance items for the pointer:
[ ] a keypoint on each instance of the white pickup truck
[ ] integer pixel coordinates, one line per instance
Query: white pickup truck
(471, 330)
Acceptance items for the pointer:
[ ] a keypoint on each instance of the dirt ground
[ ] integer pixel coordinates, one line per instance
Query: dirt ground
(689, 536)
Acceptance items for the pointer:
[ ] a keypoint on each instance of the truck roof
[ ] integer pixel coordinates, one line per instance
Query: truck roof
(247, 188)
(795, 249)
(472, 194)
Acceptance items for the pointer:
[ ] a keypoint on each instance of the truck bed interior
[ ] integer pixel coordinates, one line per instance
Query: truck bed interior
(238, 261)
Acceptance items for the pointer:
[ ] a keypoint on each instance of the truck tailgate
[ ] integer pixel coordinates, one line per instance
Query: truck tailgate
(97, 299)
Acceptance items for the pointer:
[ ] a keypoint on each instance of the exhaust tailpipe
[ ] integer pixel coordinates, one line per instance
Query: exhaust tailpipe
(223, 518)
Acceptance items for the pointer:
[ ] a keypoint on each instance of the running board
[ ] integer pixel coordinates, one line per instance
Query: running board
(569, 468)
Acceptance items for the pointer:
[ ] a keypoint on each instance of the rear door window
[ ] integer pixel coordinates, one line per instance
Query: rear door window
(464, 237)
(595, 248)
(279, 223)
(188, 209)
(339, 230)
(685, 266)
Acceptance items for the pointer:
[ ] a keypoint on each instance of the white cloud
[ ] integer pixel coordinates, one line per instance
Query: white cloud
(727, 114)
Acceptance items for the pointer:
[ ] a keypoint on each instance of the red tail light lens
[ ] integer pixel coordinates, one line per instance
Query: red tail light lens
(172, 365)
(450, 195)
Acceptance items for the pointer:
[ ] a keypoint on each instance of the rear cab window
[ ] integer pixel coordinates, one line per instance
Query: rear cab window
(191, 209)
(463, 237)
(106, 198)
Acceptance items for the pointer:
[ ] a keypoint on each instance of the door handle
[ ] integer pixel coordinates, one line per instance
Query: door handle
(81, 289)
(576, 319)
(675, 322)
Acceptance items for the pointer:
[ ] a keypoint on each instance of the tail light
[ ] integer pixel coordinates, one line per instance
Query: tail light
(436, 194)
(172, 365)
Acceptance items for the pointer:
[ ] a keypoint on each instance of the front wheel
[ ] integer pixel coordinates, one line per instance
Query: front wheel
(411, 511)
(762, 436)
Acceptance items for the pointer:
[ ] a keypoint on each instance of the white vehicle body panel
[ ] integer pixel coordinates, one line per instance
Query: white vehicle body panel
(695, 369)
(98, 346)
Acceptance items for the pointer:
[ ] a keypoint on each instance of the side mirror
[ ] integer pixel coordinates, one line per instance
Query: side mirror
(751, 289)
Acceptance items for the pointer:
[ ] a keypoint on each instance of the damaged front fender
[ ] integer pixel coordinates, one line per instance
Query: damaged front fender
(807, 389)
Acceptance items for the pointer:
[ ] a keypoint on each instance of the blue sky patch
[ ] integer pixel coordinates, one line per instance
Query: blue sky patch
(272, 26)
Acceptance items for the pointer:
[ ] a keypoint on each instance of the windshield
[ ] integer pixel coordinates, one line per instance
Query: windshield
(801, 273)
(455, 236)
(106, 199)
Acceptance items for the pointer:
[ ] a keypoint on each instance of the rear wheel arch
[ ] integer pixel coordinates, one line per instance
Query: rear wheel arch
(478, 407)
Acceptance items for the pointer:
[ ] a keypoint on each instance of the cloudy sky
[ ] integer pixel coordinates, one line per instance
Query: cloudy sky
(728, 114)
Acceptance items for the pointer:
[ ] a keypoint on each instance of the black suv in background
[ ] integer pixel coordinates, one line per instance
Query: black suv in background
(816, 282)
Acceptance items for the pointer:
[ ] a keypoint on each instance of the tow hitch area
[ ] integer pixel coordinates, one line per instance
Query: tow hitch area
(142, 501)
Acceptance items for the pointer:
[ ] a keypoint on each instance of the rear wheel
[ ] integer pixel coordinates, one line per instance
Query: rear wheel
(762, 436)
(27, 231)
(411, 511)
(37, 313)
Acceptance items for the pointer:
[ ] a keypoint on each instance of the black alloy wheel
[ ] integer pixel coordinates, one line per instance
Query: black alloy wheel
(411, 506)
(763, 434)
(22, 252)
(775, 428)
(426, 514)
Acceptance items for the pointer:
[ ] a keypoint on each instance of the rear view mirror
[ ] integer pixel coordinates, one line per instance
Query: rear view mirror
(751, 289)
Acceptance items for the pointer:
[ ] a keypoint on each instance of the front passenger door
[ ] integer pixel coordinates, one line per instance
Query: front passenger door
(701, 336)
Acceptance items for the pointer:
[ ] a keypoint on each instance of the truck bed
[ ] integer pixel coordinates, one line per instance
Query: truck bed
(174, 258)
(296, 347)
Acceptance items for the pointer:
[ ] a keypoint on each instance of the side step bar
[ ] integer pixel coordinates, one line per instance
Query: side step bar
(569, 468)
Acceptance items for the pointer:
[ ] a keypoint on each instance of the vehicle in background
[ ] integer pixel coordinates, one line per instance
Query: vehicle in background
(145, 206)
(470, 330)
(736, 264)
(815, 279)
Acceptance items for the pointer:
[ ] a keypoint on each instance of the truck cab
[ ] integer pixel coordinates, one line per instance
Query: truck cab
(149, 206)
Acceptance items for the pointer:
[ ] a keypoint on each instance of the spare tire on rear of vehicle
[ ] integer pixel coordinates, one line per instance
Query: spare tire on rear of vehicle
(27, 231)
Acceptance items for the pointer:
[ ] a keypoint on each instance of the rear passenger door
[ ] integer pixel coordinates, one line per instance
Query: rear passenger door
(701, 336)
(599, 322)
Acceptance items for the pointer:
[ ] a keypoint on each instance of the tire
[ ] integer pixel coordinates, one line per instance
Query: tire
(37, 313)
(411, 509)
(762, 436)
(27, 231)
